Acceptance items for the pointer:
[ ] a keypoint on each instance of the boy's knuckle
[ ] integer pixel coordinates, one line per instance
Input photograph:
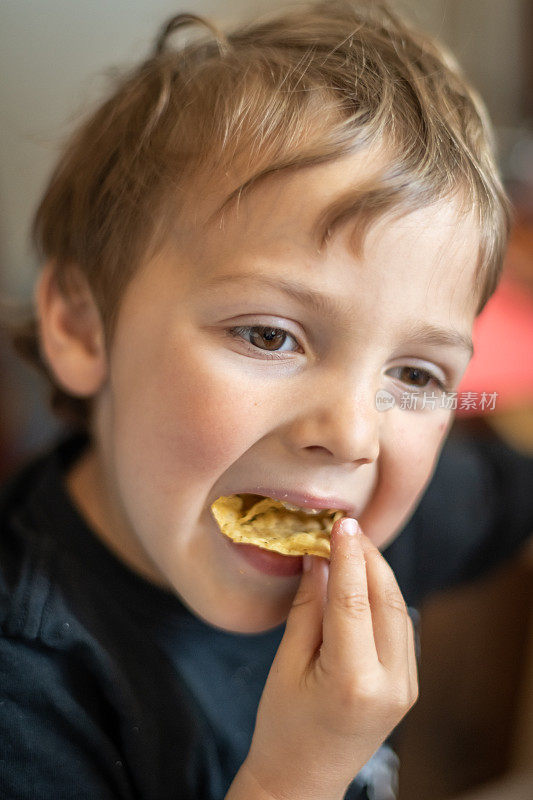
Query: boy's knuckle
(402, 700)
(393, 599)
(356, 604)
(361, 693)
(401, 703)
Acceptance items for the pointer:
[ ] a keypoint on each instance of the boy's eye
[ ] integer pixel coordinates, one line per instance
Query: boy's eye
(415, 376)
(271, 338)
(264, 337)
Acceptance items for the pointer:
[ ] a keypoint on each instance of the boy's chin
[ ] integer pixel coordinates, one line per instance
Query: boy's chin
(251, 619)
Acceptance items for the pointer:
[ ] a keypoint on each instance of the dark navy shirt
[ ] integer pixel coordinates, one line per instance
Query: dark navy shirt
(111, 688)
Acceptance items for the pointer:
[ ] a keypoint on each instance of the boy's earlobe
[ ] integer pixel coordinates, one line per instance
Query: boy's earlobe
(71, 333)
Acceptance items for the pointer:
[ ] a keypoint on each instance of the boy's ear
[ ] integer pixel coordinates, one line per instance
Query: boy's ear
(71, 333)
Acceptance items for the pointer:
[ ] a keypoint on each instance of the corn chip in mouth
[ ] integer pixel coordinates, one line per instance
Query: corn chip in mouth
(266, 523)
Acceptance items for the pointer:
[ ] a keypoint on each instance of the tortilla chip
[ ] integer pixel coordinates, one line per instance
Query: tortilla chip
(266, 523)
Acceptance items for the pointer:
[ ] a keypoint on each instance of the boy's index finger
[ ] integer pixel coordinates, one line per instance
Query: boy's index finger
(348, 635)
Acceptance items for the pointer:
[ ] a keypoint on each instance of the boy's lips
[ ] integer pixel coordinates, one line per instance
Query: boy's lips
(301, 499)
(268, 561)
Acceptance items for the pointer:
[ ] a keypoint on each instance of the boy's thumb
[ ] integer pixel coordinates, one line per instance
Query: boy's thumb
(303, 630)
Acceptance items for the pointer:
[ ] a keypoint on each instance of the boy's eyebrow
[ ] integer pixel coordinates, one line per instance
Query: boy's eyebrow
(435, 335)
(316, 301)
(418, 332)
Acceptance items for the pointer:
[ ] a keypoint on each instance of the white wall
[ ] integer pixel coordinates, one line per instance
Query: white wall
(53, 54)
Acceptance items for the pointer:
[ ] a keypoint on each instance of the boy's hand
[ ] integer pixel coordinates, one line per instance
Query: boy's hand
(343, 677)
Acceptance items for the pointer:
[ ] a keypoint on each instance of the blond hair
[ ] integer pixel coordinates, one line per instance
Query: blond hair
(297, 88)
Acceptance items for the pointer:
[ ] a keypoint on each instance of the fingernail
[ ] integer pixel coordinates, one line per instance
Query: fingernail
(350, 526)
(307, 563)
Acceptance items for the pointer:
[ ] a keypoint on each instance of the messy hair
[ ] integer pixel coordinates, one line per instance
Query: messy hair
(294, 89)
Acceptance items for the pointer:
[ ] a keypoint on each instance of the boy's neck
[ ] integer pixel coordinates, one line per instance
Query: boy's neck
(85, 486)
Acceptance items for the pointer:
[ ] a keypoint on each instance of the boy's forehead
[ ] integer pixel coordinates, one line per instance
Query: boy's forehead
(301, 194)
(303, 209)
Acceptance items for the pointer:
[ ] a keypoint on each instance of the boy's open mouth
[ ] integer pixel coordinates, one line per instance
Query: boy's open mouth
(273, 525)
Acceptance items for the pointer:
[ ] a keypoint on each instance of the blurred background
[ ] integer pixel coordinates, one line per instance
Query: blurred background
(471, 734)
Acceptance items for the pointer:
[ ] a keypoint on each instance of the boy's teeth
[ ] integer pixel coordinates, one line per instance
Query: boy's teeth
(290, 507)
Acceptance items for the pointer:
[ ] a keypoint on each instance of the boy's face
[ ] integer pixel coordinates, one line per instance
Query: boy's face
(220, 381)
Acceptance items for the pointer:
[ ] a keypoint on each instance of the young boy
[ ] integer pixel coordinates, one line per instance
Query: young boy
(247, 242)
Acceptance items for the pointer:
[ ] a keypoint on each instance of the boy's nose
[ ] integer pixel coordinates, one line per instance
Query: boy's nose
(344, 424)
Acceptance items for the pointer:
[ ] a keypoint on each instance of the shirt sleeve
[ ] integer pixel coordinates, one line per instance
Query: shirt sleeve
(52, 730)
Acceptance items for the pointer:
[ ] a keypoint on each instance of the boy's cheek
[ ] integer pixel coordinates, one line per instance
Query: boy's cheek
(406, 464)
(203, 424)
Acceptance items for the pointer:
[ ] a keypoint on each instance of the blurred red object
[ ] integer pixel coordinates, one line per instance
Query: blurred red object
(503, 349)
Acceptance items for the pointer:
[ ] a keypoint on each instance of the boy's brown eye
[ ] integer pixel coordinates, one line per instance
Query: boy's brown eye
(263, 338)
(272, 337)
(418, 377)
